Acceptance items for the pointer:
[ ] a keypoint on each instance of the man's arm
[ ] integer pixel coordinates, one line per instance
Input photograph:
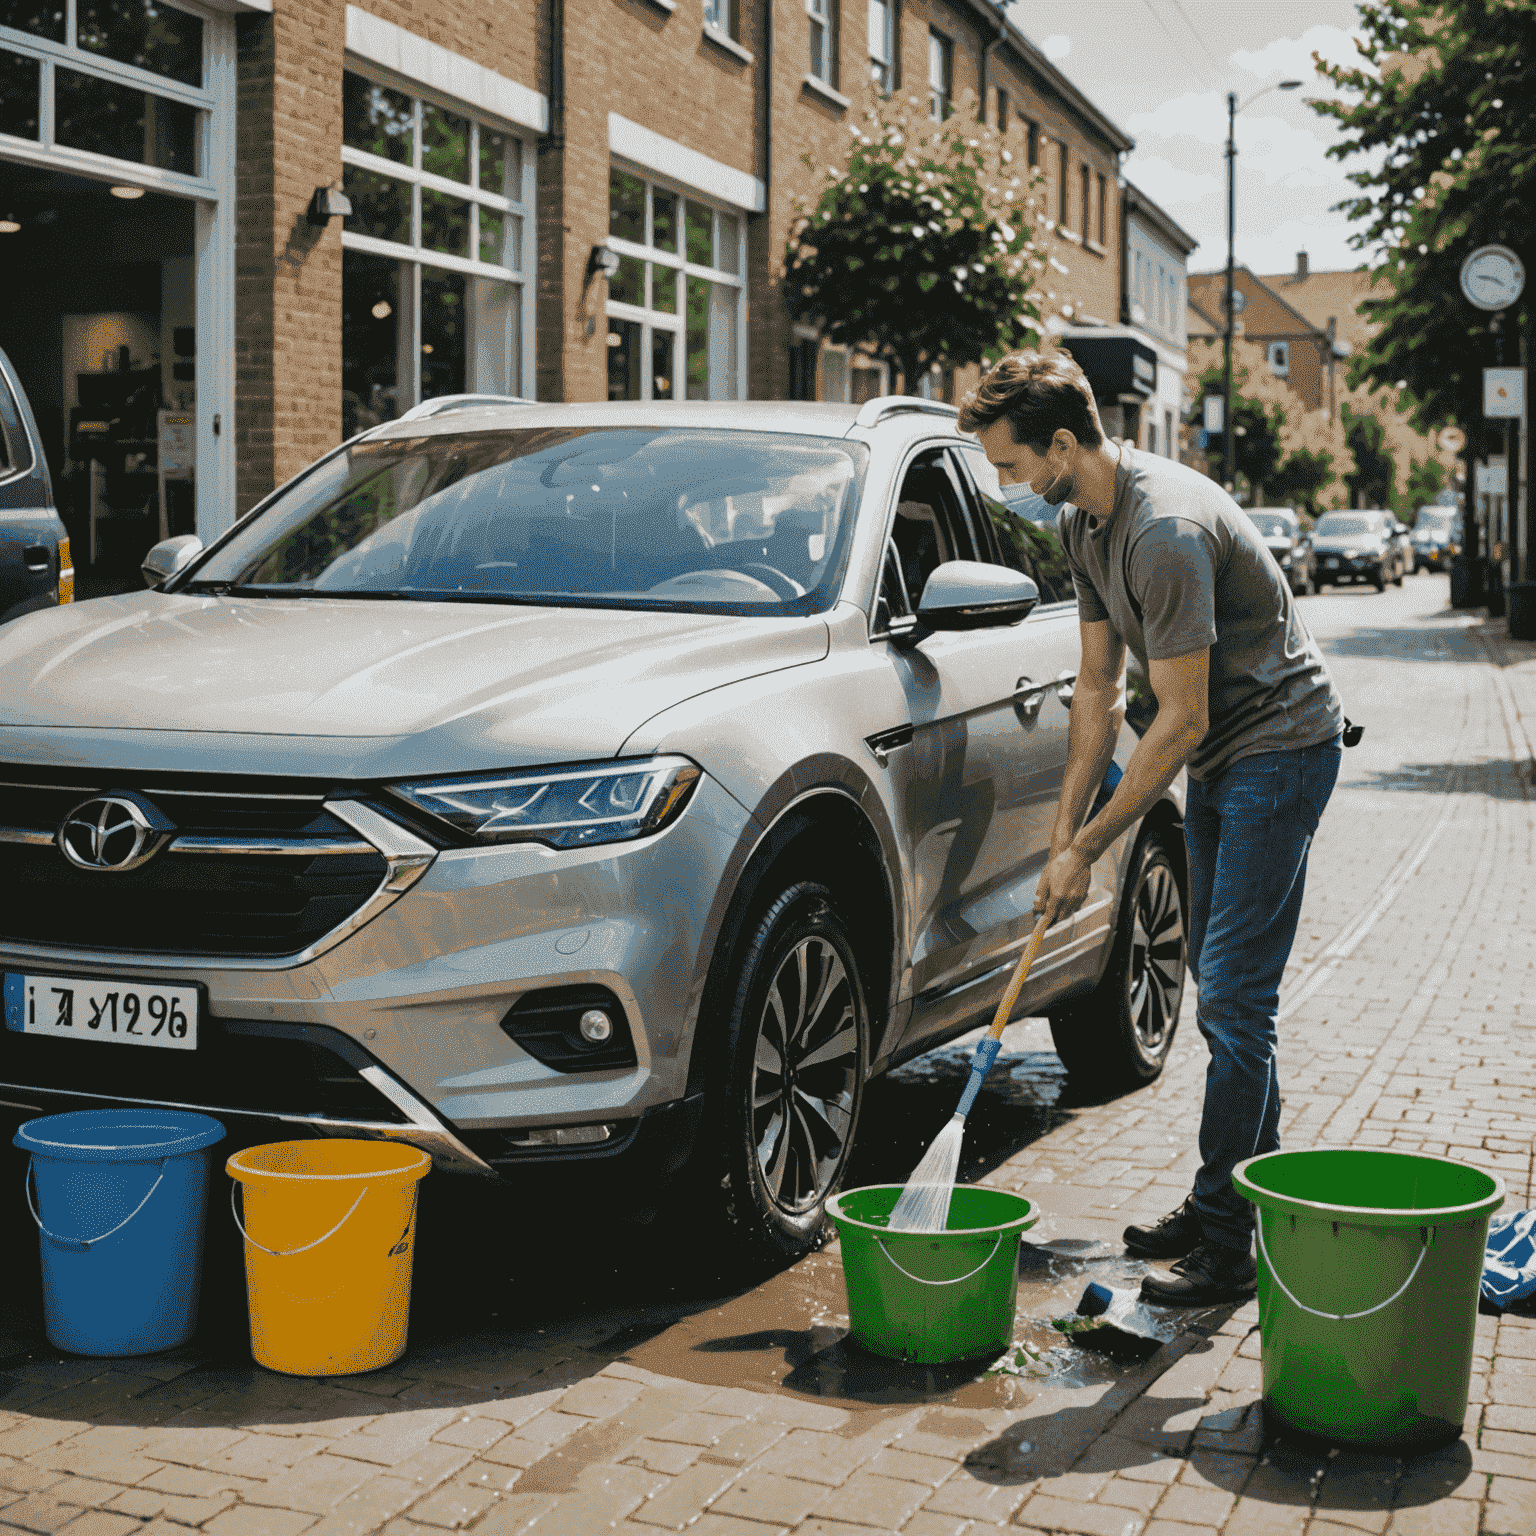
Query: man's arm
(1182, 687)
(1098, 708)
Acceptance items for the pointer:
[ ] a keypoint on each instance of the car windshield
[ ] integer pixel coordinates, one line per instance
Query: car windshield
(1431, 519)
(653, 517)
(1343, 525)
(1273, 525)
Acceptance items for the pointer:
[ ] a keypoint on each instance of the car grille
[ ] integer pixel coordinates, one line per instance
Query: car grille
(252, 1066)
(256, 867)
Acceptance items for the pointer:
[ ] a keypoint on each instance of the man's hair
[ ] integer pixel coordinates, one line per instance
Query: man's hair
(1039, 392)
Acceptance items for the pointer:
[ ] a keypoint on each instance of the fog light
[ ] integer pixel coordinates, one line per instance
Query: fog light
(561, 1136)
(596, 1026)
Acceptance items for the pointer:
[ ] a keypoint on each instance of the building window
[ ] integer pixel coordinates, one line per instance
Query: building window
(1002, 111)
(868, 381)
(822, 51)
(1103, 202)
(1171, 446)
(1085, 177)
(675, 303)
(1061, 186)
(1152, 436)
(1280, 358)
(434, 297)
(721, 15)
(882, 43)
(802, 368)
(941, 63)
(1032, 138)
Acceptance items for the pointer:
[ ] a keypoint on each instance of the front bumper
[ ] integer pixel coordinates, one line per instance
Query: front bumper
(397, 1030)
(1350, 567)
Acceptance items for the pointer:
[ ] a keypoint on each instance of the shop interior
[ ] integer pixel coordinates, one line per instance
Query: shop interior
(99, 324)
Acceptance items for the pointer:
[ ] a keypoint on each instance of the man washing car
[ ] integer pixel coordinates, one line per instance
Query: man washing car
(1165, 563)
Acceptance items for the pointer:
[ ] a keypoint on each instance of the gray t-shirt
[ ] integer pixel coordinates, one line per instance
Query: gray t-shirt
(1178, 566)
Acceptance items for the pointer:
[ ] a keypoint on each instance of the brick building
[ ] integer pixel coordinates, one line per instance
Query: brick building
(176, 170)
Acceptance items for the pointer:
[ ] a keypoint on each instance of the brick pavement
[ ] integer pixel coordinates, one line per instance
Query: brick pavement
(1404, 1028)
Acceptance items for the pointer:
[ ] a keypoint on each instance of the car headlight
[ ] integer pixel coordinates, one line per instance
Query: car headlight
(571, 807)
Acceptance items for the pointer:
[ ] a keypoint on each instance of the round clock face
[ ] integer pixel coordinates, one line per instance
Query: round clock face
(1493, 277)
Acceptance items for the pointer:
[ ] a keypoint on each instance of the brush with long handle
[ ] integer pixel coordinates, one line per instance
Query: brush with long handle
(924, 1203)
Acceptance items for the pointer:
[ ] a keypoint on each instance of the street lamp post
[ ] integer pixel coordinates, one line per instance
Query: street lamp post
(1229, 427)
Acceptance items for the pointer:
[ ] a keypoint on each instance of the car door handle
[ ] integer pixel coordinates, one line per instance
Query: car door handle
(1065, 686)
(1029, 698)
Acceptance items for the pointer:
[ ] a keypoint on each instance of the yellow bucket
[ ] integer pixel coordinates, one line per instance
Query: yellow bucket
(328, 1242)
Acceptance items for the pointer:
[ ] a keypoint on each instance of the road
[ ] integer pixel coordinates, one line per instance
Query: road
(572, 1374)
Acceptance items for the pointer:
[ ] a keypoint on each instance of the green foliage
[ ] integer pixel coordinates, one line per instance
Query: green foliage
(1372, 481)
(1258, 431)
(1445, 119)
(1302, 478)
(1425, 482)
(920, 244)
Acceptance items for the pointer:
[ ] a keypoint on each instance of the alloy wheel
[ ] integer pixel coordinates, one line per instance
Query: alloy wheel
(805, 1073)
(1155, 977)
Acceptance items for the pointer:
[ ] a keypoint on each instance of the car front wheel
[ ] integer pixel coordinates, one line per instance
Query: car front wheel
(1122, 1031)
(798, 1053)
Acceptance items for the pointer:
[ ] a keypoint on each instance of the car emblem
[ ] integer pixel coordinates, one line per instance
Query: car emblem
(110, 833)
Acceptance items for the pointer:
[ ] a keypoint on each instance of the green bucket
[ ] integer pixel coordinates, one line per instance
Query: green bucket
(1369, 1265)
(932, 1297)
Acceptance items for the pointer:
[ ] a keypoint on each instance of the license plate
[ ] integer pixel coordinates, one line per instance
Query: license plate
(96, 1008)
(1330, 562)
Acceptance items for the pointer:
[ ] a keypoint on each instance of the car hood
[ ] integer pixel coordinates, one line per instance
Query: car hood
(485, 683)
(1367, 542)
(1278, 541)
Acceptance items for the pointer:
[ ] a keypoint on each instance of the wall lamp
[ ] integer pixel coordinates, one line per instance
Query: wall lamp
(328, 203)
(603, 259)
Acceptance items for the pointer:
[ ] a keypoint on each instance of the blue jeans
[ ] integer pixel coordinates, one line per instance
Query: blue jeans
(1247, 833)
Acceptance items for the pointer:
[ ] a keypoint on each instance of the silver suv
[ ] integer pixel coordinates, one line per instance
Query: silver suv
(601, 791)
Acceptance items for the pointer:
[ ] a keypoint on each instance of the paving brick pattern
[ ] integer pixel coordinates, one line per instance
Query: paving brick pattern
(1404, 1028)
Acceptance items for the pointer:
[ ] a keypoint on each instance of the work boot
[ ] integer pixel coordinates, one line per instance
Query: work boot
(1169, 1238)
(1210, 1273)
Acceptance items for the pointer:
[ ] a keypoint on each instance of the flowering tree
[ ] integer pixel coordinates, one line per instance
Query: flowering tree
(921, 244)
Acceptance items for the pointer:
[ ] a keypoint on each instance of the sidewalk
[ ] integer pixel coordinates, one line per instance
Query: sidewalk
(1405, 1027)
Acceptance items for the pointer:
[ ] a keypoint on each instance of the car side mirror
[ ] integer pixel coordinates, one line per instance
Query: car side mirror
(968, 594)
(168, 557)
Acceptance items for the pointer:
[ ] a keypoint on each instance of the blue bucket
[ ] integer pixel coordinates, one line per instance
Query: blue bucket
(120, 1199)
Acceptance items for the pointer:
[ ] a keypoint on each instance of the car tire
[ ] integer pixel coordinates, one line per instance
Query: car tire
(1120, 1034)
(780, 1141)
(1381, 581)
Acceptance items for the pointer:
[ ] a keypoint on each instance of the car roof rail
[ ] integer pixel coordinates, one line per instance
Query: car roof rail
(872, 412)
(441, 405)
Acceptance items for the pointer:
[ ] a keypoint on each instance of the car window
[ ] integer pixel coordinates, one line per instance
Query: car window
(1025, 529)
(1333, 525)
(644, 517)
(930, 527)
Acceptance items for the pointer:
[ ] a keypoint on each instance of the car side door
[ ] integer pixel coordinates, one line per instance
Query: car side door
(951, 762)
(31, 550)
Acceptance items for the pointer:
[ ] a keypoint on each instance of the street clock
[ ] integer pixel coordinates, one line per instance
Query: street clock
(1492, 277)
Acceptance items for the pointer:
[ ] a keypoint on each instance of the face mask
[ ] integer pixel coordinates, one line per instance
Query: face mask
(1059, 490)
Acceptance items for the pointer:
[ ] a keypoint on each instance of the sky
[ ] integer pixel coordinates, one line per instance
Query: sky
(1161, 69)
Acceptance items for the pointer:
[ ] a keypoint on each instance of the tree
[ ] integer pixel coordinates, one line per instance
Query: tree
(921, 244)
(1444, 113)
(1425, 482)
(1372, 481)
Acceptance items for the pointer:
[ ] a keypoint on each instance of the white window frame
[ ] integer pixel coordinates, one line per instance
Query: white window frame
(819, 13)
(1279, 358)
(212, 192)
(413, 176)
(651, 320)
(721, 15)
(882, 43)
(941, 64)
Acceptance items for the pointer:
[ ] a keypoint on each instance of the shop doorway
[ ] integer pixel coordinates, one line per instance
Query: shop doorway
(102, 333)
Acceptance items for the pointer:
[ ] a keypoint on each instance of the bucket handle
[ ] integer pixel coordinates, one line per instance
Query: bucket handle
(1336, 1317)
(287, 1253)
(84, 1243)
(958, 1278)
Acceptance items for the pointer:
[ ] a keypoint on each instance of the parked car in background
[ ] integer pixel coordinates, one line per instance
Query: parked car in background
(582, 792)
(36, 570)
(1436, 538)
(1355, 547)
(1281, 531)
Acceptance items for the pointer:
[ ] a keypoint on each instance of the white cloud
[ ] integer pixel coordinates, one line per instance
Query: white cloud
(1057, 46)
(1290, 58)
(1169, 184)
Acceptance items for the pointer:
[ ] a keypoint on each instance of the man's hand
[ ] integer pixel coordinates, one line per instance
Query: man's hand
(1063, 885)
